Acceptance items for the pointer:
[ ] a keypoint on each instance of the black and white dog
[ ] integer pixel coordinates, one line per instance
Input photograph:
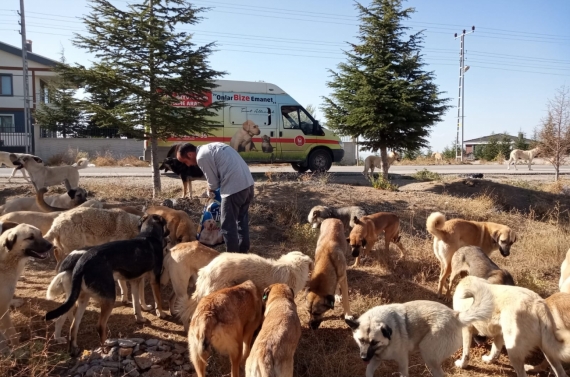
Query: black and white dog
(95, 272)
(186, 173)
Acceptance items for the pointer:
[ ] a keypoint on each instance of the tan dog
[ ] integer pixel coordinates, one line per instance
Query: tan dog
(367, 229)
(71, 199)
(449, 236)
(241, 141)
(437, 157)
(181, 266)
(225, 320)
(18, 243)
(180, 225)
(44, 176)
(564, 283)
(559, 305)
(372, 162)
(273, 352)
(329, 273)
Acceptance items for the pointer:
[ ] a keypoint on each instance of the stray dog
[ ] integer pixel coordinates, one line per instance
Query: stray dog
(44, 176)
(329, 273)
(564, 283)
(344, 214)
(559, 305)
(449, 236)
(368, 228)
(5, 159)
(273, 352)
(186, 173)
(391, 332)
(95, 272)
(372, 162)
(73, 198)
(438, 157)
(84, 227)
(242, 139)
(18, 243)
(475, 262)
(518, 154)
(225, 320)
(181, 266)
(230, 269)
(180, 225)
(211, 235)
(519, 320)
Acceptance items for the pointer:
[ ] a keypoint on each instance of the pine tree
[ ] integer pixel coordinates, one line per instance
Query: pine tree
(382, 92)
(144, 57)
(520, 142)
(505, 146)
(62, 113)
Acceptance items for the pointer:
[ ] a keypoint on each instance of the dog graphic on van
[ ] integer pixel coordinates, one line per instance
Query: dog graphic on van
(242, 139)
(211, 234)
(266, 146)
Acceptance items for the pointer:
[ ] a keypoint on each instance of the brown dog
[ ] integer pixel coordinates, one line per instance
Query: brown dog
(274, 348)
(367, 229)
(181, 266)
(329, 273)
(449, 236)
(225, 320)
(180, 225)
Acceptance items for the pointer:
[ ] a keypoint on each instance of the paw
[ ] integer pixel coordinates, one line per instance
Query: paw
(487, 359)
(349, 317)
(147, 308)
(141, 319)
(60, 340)
(161, 314)
(462, 363)
(337, 298)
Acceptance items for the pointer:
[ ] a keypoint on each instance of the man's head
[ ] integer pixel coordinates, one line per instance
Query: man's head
(187, 154)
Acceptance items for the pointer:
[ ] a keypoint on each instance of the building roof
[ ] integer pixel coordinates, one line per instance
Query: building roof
(486, 139)
(31, 56)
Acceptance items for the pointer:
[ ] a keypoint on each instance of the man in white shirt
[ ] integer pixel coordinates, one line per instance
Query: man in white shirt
(224, 168)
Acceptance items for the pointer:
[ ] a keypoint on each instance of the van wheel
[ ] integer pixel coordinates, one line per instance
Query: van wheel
(320, 161)
(299, 168)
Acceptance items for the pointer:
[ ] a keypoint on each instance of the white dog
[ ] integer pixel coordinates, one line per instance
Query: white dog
(520, 321)
(372, 162)
(518, 154)
(44, 176)
(230, 269)
(5, 159)
(241, 141)
(437, 157)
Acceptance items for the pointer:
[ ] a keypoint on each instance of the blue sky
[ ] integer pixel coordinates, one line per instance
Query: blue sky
(519, 54)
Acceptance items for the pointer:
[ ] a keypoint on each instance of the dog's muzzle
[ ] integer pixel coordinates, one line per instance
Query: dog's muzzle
(355, 251)
(315, 323)
(366, 357)
(504, 252)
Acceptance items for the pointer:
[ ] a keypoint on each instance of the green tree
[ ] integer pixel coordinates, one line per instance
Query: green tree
(311, 109)
(383, 92)
(62, 113)
(449, 151)
(143, 56)
(505, 146)
(520, 142)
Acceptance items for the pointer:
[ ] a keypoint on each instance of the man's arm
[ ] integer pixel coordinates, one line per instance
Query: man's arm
(206, 163)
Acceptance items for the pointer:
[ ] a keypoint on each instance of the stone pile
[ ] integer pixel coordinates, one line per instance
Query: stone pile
(134, 357)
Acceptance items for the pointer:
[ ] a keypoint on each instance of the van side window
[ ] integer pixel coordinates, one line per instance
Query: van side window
(295, 117)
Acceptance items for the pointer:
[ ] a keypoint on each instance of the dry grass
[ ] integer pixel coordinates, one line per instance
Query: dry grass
(278, 223)
(66, 158)
(430, 161)
(108, 159)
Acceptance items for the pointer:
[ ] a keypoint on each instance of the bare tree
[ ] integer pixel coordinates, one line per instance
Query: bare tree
(554, 131)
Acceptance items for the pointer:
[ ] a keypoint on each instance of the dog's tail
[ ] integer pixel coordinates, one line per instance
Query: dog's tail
(82, 163)
(555, 339)
(434, 223)
(56, 287)
(40, 201)
(76, 282)
(202, 334)
(483, 302)
(165, 275)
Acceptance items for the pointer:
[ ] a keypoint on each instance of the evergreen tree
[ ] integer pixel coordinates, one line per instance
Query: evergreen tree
(520, 142)
(144, 58)
(383, 92)
(62, 114)
(505, 146)
(491, 149)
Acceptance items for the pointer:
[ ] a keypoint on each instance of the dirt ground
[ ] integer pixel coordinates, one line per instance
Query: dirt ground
(278, 224)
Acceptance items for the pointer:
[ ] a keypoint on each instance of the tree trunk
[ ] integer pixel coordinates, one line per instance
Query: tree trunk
(156, 188)
(385, 165)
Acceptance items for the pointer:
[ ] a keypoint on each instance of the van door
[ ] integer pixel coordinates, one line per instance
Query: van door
(296, 133)
(251, 131)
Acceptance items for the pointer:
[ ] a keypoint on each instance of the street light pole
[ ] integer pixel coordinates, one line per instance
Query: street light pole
(461, 98)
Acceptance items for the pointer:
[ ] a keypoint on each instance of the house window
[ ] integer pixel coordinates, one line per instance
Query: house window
(44, 92)
(6, 85)
(7, 123)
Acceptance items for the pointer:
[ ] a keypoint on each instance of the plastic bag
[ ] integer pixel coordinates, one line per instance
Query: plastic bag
(209, 227)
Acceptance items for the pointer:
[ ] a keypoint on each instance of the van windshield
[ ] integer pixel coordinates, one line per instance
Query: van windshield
(295, 117)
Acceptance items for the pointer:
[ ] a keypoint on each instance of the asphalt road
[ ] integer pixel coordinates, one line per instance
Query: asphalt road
(340, 170)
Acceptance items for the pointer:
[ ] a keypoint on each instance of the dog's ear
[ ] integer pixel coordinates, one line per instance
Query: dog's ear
(495, 234)
(363, 242)
(38, 160)
(265, 294)
(5, 225)
(72, 193)
(316, 213)
(513, 236)
(329, 301)
(386, 331)
(352, 323)
(11, 240)
(348, 240)
(355, 220)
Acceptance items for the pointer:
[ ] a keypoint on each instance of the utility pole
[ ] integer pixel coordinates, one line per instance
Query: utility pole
(27, 114)
(461, 98)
